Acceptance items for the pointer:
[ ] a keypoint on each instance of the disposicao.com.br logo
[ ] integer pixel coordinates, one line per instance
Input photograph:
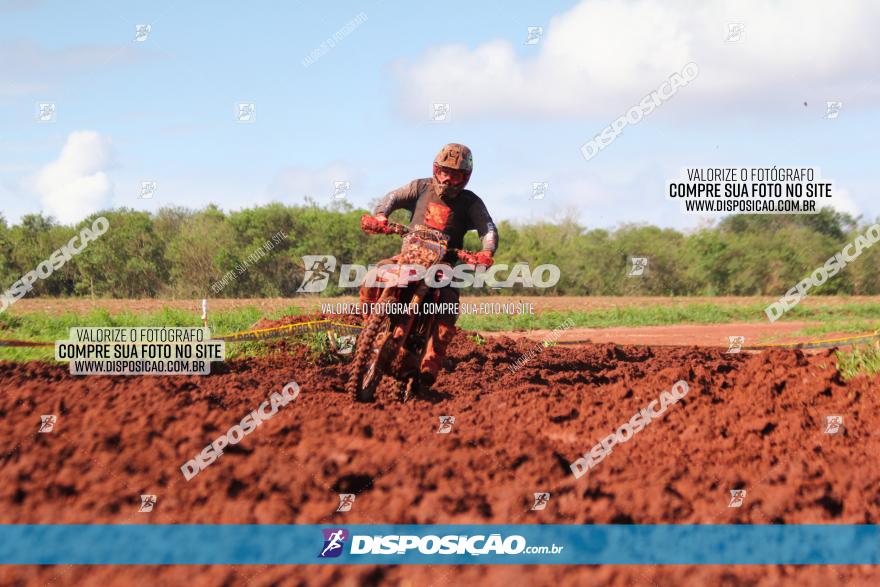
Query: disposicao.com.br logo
(450, 544)
(320, 268)
(334, 542)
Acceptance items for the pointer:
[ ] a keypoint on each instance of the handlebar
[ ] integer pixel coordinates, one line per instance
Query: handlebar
(399, 229)
(395, 228)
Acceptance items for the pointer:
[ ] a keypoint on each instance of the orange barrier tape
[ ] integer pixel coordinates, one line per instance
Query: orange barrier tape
(242, 336)
(25, 343)
(279, 331)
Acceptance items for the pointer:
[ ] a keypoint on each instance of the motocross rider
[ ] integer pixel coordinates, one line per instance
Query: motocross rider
(440, 203)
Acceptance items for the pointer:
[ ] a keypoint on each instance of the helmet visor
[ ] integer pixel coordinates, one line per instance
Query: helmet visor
(450, 176)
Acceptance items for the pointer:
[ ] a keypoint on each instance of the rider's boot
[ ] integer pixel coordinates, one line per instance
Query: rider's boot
(435, 352)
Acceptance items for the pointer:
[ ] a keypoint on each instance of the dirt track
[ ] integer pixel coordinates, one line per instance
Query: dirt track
(704, 335)
(540, 303)
(749, 421)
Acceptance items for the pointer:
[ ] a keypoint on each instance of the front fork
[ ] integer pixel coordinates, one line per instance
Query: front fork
(402, 331)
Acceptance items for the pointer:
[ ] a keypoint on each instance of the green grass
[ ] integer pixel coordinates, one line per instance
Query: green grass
(849, 317)
(665, 315)
(844, 326)
(863, 360)
(39, 326)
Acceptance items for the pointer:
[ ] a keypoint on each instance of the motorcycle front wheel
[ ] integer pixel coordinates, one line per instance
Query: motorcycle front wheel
(369, 359)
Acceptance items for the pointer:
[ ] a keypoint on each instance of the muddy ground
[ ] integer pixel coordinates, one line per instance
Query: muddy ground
(753, 421)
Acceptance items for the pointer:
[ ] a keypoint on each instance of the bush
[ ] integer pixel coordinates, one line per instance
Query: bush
(181, 252)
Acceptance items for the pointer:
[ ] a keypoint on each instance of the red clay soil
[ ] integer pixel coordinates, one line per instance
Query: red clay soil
(753, 421)
(704, 335)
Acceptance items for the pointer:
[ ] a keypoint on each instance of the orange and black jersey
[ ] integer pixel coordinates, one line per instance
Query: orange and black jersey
(453, 216)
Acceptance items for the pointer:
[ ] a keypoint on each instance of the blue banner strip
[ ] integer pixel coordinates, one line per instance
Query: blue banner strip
(148, 544)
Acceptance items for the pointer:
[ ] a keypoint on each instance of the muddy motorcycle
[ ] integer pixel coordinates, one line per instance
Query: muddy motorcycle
(393, 343)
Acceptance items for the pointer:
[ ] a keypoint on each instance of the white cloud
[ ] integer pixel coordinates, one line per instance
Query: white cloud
(76, 183)
(602, 56)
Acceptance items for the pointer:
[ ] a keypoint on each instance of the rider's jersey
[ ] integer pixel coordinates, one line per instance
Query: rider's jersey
(453, 216)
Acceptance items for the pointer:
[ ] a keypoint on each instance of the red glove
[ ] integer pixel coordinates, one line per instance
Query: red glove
(377, 224)
(482, 258)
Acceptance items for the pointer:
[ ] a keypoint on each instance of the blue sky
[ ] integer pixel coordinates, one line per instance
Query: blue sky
(163, 109)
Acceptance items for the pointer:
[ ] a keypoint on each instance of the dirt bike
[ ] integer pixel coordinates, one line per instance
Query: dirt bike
(393, 343)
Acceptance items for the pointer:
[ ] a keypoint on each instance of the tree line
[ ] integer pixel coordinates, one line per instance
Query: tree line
(180, 253)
